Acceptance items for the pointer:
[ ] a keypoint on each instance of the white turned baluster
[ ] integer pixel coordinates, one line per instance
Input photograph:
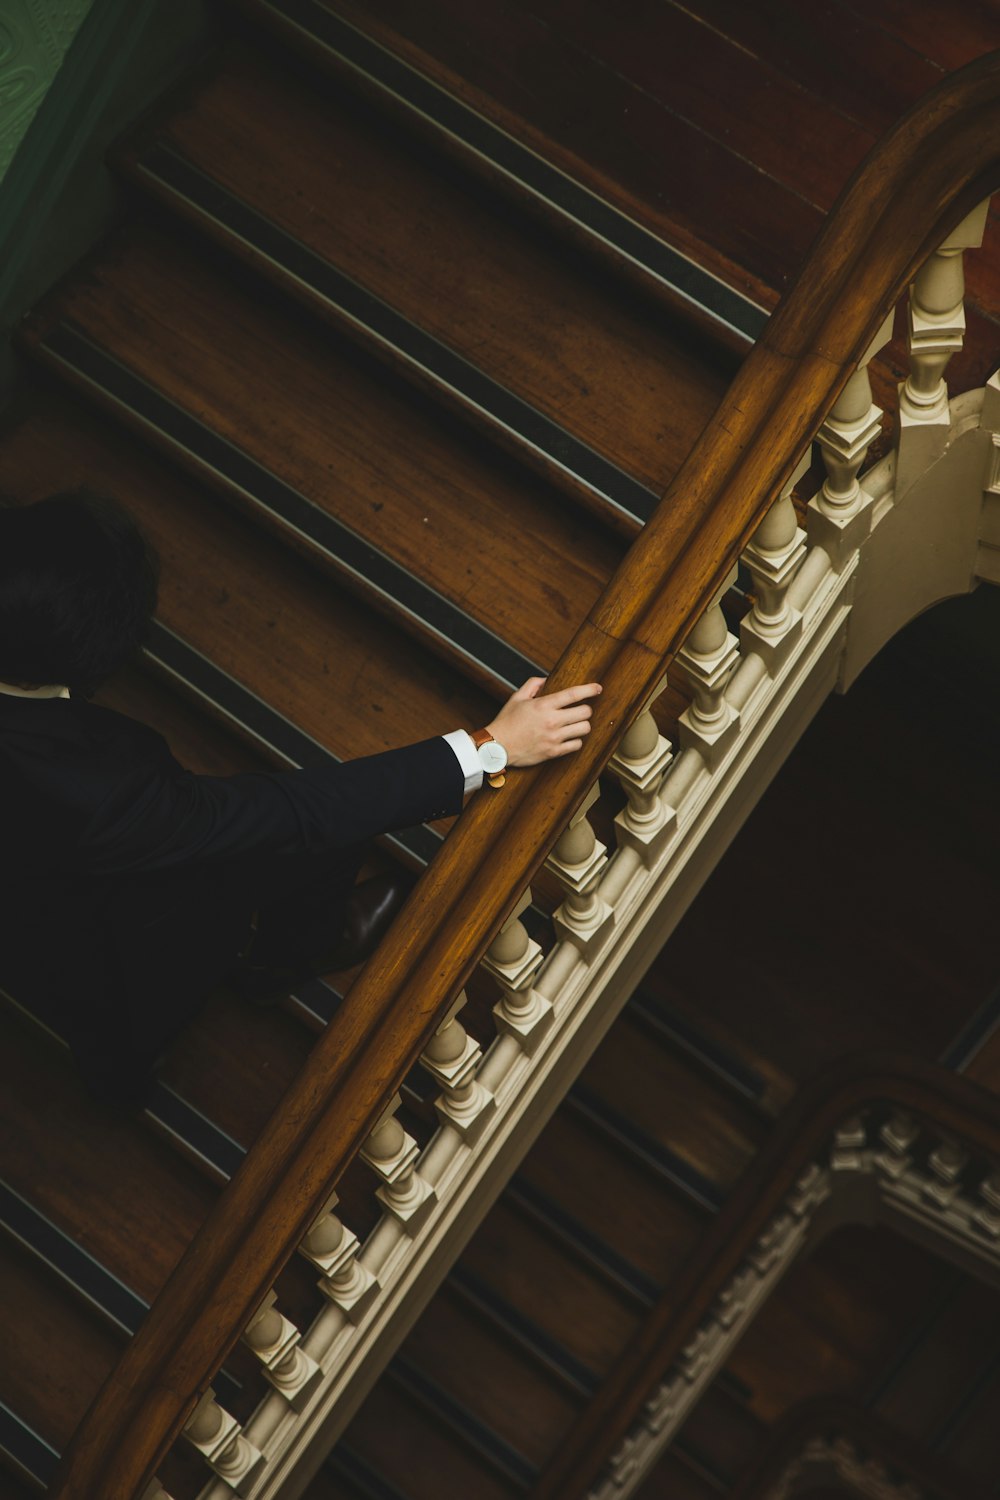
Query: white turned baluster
(947, 1164)
(154, 1491)
(452, 1058)
(708, 658)
(647, 823)
(847, 1153)
(839, 517)
(897, 1135)
(988, 556)
(578, 861)
(773, 557)
(987, 1216)
(513, 960)
(334, 1250)
(219, 1439)
(936, 332)
(392, 1156)
(274, 1339)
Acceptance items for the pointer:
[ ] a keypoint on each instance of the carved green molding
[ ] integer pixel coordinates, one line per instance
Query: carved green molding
(34, 38)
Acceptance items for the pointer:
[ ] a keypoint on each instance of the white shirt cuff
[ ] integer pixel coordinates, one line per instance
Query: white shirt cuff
(465, 751)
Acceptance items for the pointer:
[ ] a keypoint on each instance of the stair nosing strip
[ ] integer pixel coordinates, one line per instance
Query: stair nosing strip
(527, 426)
(523, 1331)
(644, 1147)
(526, 168)
(471, 1430)
(31, 1455)
(590, 1248)
(110, 1297)
(346, 1462)
(198, 1134)
(68, 346)
(738, 1077)
(74, 1266)
(268, 728)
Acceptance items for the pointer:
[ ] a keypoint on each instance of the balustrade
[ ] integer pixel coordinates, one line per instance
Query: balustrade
(274, 1339)
(840, 516)
(936, 331)
(647, 822)
(513, 960)
(578, 861)
(392, 1156)
(219, 1438)
(452, 1058)
(333, 1249)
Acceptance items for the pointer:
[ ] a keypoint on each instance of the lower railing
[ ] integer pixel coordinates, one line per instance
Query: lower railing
(911, 1147)
(811, 622)
(831, 1445)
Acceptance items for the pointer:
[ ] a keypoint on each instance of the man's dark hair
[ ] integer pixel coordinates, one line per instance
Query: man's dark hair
(77, 590)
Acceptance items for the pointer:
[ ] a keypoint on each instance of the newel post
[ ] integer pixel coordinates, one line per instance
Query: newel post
(936, 332)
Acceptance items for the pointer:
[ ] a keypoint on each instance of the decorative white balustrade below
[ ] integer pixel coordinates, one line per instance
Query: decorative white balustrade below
(817, 616)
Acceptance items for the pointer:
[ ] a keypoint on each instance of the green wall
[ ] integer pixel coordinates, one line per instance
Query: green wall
(34, 38)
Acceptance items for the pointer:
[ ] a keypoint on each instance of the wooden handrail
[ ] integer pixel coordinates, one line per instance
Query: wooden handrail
(872, 1436)
(925, 176)
(955, 1105)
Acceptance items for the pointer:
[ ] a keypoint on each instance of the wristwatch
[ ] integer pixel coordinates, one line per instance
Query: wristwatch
(492, 756)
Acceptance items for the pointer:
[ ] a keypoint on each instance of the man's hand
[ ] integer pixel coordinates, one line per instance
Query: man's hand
(534, 728)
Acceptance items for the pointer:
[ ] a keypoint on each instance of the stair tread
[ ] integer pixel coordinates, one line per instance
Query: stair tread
(653, 1230)
(521, 1265)
(259, 613)
(962, 1342)
(477, 532)
(57, 1159)
(525, 1407)
(397, 1438)
(57, 1352)
(659, 1094)
(558, 100)
(835, 1320)
(529, 313)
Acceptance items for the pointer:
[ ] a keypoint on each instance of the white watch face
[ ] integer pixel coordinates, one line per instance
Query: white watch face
(492, 757)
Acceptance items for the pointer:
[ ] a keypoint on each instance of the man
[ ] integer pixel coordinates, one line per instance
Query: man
(130, 887)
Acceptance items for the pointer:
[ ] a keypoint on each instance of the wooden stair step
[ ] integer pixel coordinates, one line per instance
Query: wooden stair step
(578, 1167)
(395, 1450)
(257, 612)
(557, 100)
(57, 1159)
(365, 480)
(836, 1320)
(972, 1443)
(57, 1352)
(672, 1479)
(511, 1258)
(485, 1384)
(651, 1091)
(512, 329)
(721, 1436)
(956, 1351)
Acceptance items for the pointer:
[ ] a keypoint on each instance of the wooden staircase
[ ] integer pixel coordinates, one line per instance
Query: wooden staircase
(391, 365)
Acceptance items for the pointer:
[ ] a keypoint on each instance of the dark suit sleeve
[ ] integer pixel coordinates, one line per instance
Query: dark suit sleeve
(164, 817)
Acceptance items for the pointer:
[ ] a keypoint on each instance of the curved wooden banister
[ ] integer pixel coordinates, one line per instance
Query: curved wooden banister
(828, 1417)
(925, 176)
(956, 1106)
